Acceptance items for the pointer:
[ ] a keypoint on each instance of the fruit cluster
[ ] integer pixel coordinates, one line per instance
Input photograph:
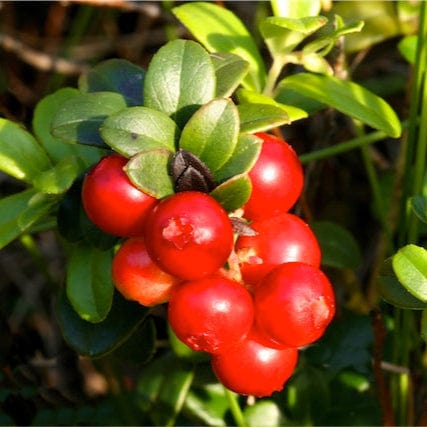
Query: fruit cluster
(245, 287)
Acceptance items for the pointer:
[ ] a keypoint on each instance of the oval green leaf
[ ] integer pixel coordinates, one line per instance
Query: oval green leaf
(261, 117)
(394, 293)
(58, 149)
(220, 30)
(98, 339)
(419, 207)
(244, 156)
(139, 128)
(79, 119)
(211, 133)
(88, 283)
(179, 79)
(410, 266)
(115, 75)
(339, 248)
(230, 70)
(233, 193)
(21, 156)
(348, 97)
(149, 171)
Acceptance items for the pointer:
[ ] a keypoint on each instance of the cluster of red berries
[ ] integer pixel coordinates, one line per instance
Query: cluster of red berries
(250, 299)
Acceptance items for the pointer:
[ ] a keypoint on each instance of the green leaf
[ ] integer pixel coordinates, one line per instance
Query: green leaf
(89, 284)
(58, 149)
(179, 79)
(115, 75)
(149, 171)
(79, 118)
(408, 48)
(220, 30)
(339, 248)
(419, 207)
(282, 34)
(99, 339)
(296, 8)
(394, 293)
(59, 178)
(21, 156)
(347, 97)
(244, 156)
(295, 100)
(211, 133)
(264, 412)
(139, 128)
(233, 193)
(261, 117)
(247, 96)
(230, 70)
(410, 266)
(38, 206)
(10, 210)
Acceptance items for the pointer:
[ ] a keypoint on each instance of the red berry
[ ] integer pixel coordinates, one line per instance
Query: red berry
(282, 238)
(210, 314)
(189, 235)
(252, 368)
(294, 304)
(277, 179)
(137, 277)
(112, 202)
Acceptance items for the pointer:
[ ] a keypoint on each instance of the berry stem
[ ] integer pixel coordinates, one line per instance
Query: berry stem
(235, 408)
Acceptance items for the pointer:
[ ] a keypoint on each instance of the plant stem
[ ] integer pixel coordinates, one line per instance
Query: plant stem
(273, 75)
(235, 408)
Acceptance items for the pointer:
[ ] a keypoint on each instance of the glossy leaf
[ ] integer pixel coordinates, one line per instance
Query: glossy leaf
(21, 156)
(59, 178)
(38, 207)
(79, 118)
(149, 171)
(394, 293)
(10, 210)
(233, 193)
(261, 117)
(283, 34)
(244, 156)
(247, 96)
(98, 339)
(230, 70)
(220, 30)
(296, 8)
(139, 128)
(211, 133)
(179, 79)
(58, 149)
(410, 267)
(339, 247)
(348, 97)
(89, 284)
(115, 75)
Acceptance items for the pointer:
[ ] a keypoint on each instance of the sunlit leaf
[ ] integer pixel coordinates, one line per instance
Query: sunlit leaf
(296, 8)
(348, 97)
(233, 193)
(261, 117)
(220, 30)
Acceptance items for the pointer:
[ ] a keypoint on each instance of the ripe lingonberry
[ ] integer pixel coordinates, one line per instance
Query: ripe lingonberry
(294, 304)
(279, 239)
(189, 235)
(210, 314)
(277, 179)
(112, 202)
(252, 368)
(137, 277)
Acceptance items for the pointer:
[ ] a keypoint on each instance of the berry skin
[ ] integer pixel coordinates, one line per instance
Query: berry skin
(189, 235)
(137, 277)
(282, 238)
(252, 368)
(277, 179)
(112, 202)
(210, 314)
(294, 304)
